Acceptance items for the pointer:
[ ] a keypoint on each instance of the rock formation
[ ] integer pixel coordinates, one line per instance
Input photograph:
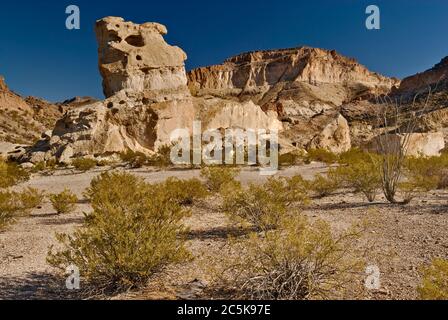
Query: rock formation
(315, 98)
(22, 120)
(436, 78)
(428, 144)
(304, 86)
(136, 58)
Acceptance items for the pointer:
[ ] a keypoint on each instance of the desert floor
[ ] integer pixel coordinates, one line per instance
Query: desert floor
(400, 240)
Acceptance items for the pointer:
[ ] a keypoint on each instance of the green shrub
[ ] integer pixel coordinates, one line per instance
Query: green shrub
(360, 172)
(264, 206)
(12, 174)
(84, 164)
(9, 208)
(300, 260)
(434, 285)
(63, 202)
(134, 159)
(184, 192)
(217, 177)
(421, 174)
(132, 234)
(323, 186)
(31, 198)
(322, 155)
(291, 159)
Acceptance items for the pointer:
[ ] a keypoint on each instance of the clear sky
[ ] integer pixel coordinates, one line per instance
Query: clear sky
(40, 57)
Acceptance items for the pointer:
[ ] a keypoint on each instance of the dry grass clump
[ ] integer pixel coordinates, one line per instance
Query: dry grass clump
(217, 177)
(299, 260)
(132, 234)
(64, 202)
(264, 206)
(434, 285)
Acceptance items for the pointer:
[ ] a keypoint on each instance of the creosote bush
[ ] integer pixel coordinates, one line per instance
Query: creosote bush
(31, 198)
(322, 155)
(264, 206)
(325, 185)
(12, 174)
(217, 177)
(84, 164)
(132, 233)
(300, 260)
(184, 192)
(434, 285)
(360, 171)
(18, 204)
(63, 202)
(9, 208)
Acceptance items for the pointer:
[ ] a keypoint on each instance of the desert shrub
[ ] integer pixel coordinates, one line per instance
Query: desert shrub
(134, 159)
(12, 174)
(84, 164)
(9, 208)
(300, 260)
(434, 285)
(360, 172)
(291, 158)
(216, 177)
(421, 174)
(44, 166)
(264, 206)
(132, 233)
(31, 198)
(63, 202)
(325, 185)
(184, 192)
(322, 155)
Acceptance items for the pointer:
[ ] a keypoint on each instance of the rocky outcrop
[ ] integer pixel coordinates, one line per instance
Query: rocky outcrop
(418, 144)
(302, 85)
(22, 120)
(136, 58)
(147, 98)
(252, 75)
(435, 78)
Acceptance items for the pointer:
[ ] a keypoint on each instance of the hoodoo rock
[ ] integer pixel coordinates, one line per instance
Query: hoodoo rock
(145, 83)
(136, 58)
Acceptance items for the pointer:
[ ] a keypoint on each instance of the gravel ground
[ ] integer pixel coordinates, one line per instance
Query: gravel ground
(401, 240)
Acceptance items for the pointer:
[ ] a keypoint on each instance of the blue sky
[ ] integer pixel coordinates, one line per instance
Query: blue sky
(40, 57)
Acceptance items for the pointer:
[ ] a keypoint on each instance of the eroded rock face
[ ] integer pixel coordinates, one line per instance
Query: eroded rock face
(252, 75)
(136, 58)
(436, 78)
(419, 144)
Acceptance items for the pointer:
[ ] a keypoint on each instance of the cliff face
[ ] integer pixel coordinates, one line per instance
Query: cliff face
(304, 86)
(23, 120)
(436, 78)
(257, 72)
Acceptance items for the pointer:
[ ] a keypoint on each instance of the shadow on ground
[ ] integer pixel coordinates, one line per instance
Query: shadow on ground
(35, 286)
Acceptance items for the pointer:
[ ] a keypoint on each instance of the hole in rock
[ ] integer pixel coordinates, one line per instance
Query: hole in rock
(110, 105)
(135, 40)
(139, 58)
(113, 37)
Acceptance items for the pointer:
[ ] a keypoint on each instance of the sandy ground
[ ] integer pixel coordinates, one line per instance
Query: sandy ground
(402, 238)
